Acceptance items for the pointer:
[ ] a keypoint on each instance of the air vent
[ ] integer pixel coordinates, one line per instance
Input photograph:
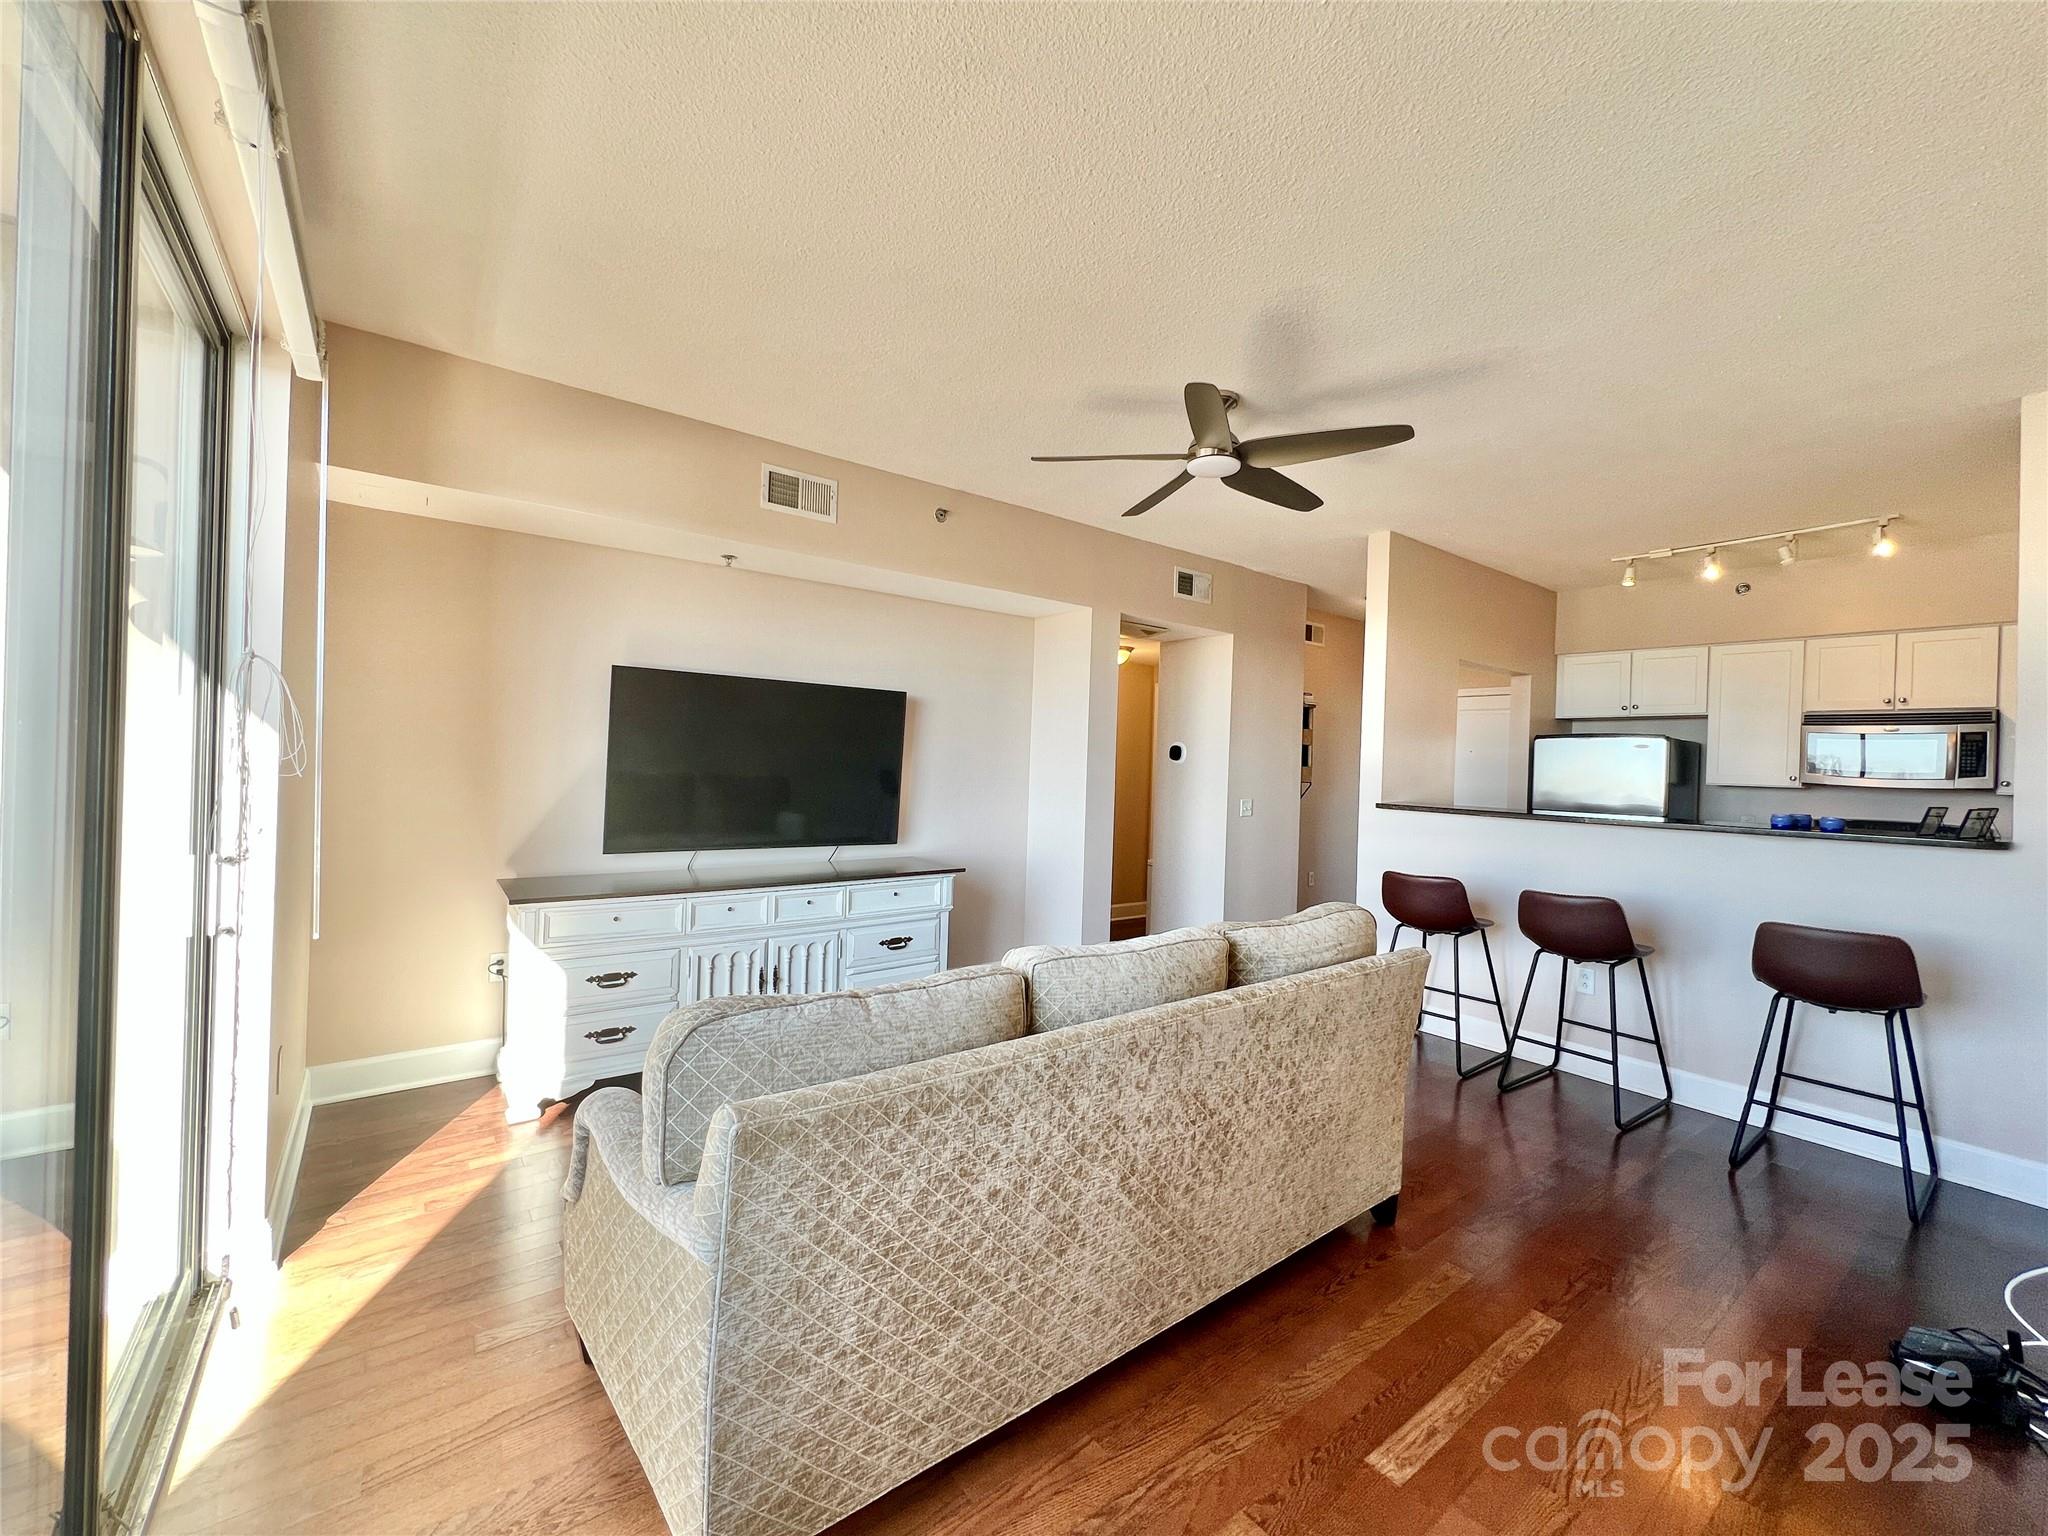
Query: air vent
(1138, 629)
(1192, 585)
(1312, 634)
(784, 490)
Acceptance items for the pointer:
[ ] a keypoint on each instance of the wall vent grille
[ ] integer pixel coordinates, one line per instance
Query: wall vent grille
(1195, 586)
(1312, 634)
(813, 496)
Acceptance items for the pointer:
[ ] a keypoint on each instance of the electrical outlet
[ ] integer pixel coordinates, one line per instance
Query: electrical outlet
(495, 968)
(1583, 979)
(1244, 807)
(1311, 879)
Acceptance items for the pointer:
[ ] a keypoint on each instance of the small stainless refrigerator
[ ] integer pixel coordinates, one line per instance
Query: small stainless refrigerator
(1628, 778)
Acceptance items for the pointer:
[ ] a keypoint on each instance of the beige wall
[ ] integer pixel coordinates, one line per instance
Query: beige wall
(1924, 586)
(1135, 684)
(420, 430)
(468, 671)
(1329, 811)
(291, 960)
(1450, 613)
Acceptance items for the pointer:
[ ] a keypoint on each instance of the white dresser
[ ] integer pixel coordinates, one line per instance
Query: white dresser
(594, 962)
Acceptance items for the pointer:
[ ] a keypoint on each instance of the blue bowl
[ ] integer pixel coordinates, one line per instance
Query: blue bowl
(1792, 821)
(1781, 822)
(1832, 824)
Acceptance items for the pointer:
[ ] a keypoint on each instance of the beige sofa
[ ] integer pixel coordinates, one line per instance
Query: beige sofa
(841, 1237)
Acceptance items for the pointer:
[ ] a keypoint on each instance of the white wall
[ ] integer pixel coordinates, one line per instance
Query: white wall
(1189, 844)
(1977, 920)
(468, 677)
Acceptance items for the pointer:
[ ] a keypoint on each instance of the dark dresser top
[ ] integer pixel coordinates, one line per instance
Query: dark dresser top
(529, 889)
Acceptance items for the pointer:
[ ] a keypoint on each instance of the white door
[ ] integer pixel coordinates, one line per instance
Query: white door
(1592, 685)
(809, 964)
(1481, 773)
(1852, 672)
(1669, 682)
(738, 968)
(1753, 710)
(2008, 707)
(1949, 668)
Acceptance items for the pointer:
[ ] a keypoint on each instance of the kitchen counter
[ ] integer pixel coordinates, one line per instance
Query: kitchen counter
(1740, 829)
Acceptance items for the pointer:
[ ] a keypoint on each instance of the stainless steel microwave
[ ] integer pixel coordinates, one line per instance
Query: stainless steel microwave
(1930, 749)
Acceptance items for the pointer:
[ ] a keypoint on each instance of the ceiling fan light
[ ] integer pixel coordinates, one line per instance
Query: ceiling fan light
(1710, 568)
(1882, 544)
(1628, 574)
(1214, 466)
(1788, 551)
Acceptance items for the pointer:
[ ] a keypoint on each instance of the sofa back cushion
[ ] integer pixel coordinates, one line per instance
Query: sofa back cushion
(1075, 984)
(728, 1049)
(1318, 936)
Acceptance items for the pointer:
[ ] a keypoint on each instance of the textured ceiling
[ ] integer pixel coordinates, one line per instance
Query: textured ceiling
(1637, 274)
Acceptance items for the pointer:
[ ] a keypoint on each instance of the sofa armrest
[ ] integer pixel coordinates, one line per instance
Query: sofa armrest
(608, 1127)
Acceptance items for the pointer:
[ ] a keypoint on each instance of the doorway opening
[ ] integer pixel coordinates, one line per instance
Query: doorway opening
(1137, 704)
(1490, 769)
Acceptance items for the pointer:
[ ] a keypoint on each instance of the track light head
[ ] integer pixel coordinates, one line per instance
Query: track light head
(1628, 574)
(1882, 544)
(1789, 550)
(1710, 568)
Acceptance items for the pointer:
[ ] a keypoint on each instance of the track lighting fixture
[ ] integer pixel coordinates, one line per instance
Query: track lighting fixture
(1710, 568)
(1789, 550)
(1882, 544)
(1628, 574)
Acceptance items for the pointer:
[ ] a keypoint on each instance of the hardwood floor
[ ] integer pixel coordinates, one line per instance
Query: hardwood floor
(420, 1376)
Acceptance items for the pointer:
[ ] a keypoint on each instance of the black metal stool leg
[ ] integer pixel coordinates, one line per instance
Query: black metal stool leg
(1507, 1058)
(1919, 1098)
(1738, 1154)
(1422, 1007)
(1916, 1198)
(1458, 1008)
(1656, 1106)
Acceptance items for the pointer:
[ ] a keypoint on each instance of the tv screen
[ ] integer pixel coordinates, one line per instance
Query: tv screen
(699, 760)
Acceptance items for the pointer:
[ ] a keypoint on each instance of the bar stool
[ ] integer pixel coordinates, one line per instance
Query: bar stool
(1844, 973)
(1585, 930)
(1435, 906)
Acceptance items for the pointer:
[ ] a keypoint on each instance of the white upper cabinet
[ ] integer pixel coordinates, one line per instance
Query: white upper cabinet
(1592, 686)
(2008, 707)
(1753, 710)
(1852, 672)
(1948, 668)
(1672, 681)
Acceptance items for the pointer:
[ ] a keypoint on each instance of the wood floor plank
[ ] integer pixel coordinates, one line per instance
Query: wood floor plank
(1403, 1453)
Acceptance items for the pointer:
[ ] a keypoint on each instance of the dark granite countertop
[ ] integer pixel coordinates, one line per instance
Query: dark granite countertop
(528, 890)
(1740, 829)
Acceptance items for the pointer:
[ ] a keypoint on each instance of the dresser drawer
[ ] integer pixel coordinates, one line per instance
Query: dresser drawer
(620, 977)
(890, 945)
(911, 894)
(708, 914)
(588, 921)
(615, 1043)
(808, 906)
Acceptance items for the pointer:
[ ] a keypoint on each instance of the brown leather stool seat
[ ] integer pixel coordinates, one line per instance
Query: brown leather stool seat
(1585, 930)
(1436, 906)
(1843, 972)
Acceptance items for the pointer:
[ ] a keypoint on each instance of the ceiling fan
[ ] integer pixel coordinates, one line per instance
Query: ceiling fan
(1253, 466)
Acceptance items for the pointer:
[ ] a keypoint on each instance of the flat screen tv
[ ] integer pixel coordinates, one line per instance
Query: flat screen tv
(700, 760)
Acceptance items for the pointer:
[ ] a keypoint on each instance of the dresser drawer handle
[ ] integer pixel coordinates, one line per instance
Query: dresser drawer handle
(901, 941)
(611, 1036)
(610, 979)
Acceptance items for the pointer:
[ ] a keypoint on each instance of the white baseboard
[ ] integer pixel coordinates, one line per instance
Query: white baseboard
(26, 1132)
(334, 1081)
(285, 1188)
(1124, 911)
(1999, 1173)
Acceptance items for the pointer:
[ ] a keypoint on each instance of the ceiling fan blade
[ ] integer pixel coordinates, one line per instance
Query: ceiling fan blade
(1271, 485)
(1093, 458)
(1302, 447)
(1161, 494)
(1208, 415)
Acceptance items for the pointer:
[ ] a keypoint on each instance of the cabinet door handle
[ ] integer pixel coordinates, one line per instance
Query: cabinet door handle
(611, 979)
(901, 941)
(1904, 700)
(611, 1036)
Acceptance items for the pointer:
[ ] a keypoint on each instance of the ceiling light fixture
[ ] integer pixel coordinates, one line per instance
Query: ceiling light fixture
(1882, 545)
(1124, 653)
